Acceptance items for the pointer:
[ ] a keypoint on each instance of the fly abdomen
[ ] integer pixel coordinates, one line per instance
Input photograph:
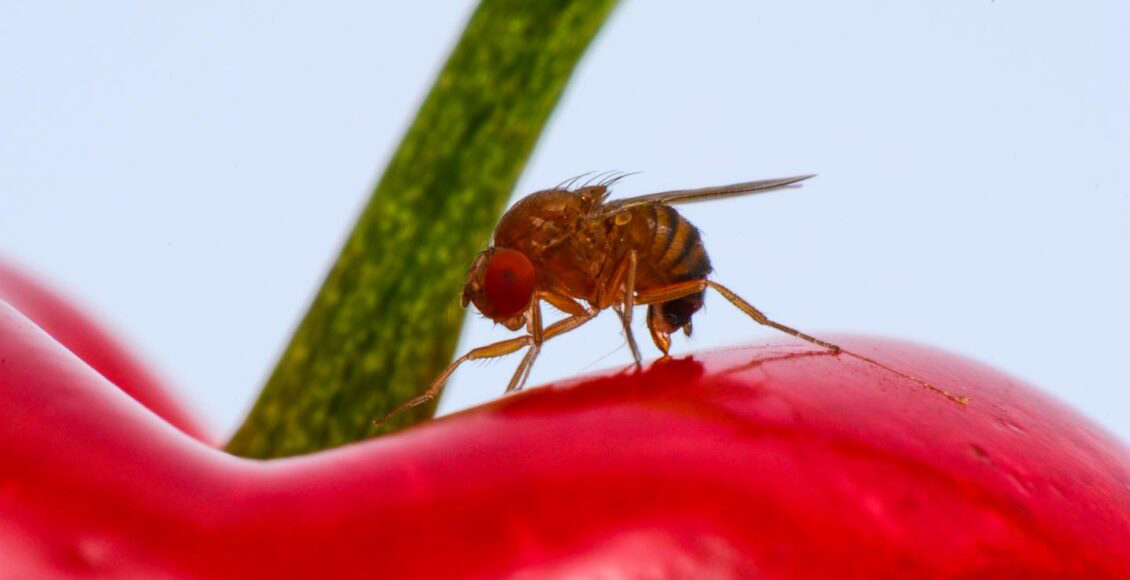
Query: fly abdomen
(677, 255)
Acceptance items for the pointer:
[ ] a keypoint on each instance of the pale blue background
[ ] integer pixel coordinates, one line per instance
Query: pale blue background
(188, 170)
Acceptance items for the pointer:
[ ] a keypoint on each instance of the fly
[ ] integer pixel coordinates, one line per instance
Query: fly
(582, 253)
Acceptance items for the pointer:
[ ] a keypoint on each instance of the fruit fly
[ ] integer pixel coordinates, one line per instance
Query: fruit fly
(582, 253)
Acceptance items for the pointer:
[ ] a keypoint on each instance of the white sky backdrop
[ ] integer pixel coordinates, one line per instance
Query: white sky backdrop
(188, 171)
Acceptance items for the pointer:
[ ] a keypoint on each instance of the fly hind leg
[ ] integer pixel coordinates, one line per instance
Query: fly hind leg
(665, 318)
(674, 291)
(660, 336)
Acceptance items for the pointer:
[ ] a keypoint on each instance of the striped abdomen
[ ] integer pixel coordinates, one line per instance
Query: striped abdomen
(673, 253)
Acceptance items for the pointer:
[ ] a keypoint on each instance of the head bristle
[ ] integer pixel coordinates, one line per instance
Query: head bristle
(568, 183)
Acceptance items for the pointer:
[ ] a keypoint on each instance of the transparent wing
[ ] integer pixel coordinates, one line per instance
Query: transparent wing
(702, 194)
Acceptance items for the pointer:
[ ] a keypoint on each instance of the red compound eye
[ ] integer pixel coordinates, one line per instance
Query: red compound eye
(508, 283)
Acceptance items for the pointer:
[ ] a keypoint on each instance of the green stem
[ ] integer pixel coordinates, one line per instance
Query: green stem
(387, 317)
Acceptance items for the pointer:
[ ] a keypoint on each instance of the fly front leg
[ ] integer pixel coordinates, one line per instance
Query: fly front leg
(497, 349)
(501, 348)
(537, 333)
(675, 291)
(557, 328)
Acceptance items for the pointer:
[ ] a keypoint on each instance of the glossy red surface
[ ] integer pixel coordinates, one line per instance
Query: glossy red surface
(87, 340)
(775, 462)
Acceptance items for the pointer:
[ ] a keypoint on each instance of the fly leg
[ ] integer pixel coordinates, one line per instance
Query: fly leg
(618, 292)
(537, 333)
(660, 337)
(534, 327)
(497, 349)
(674, 291)
(629, 297)
(494, 350)
(538, 336)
